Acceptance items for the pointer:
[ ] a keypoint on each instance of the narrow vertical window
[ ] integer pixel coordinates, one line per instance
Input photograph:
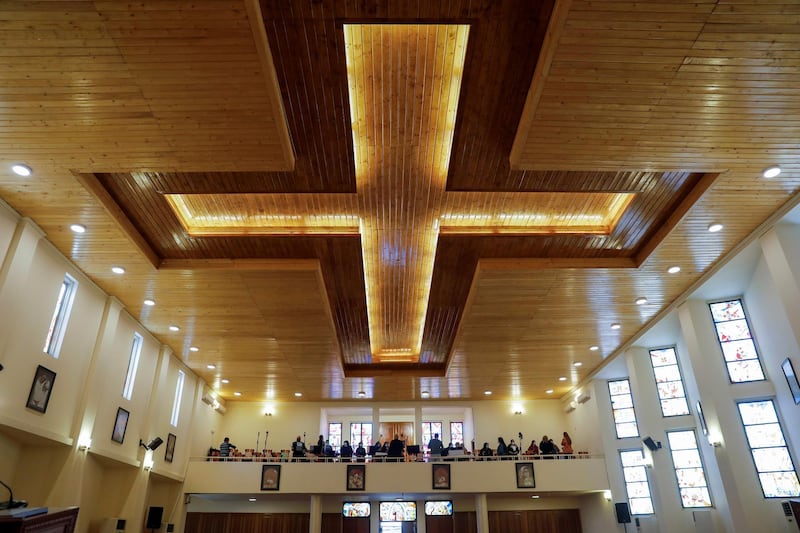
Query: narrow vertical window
(768, 447)
(133, 364)
(636, 484)
(671, 394)
(429, 429)
(361, 432)
(58, 324)
(736, 341)
(692, 482)
(622, 408)
(335, 434)
(176, 404)
(457, 432)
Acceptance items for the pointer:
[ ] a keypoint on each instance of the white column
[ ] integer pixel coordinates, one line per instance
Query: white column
(315, 514)
(481, 513)
(781, 251)
(418, 427)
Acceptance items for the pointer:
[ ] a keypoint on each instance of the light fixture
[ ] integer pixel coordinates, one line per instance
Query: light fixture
(425, 394)
(713, 228)
(607, 495)
(674, 269)
(641, 300)
(616, 325)
(576, 364)
(517, 413)
(771, 172)
(211, 367)
(594, 348)
(174, 328)
(226, 381)
(148, 462)
(21, 170)
(487, 392)
(362, 394)
(298, 394)
(117, 270)
(78, 228)
(549, 391)
(84, 442)
(251, 499)
(562, 378)
(194, 349)
(149, 303)
(152, 445)
(237, 393)
(535, 497)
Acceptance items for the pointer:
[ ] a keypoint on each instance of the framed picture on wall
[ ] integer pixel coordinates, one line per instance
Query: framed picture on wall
(356, 477)
(441, 476)
(270, 477)
(41, 388)
(170, 448)
(525, 478)
(791, 379)
(120, 425)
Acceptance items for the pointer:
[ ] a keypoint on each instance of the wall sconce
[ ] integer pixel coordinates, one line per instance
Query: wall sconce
(148, 460)
(517, 413)
(84, 442)
(607, 495)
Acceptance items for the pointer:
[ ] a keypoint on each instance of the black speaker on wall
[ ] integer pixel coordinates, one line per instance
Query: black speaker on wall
(623, 513)
(154, 515)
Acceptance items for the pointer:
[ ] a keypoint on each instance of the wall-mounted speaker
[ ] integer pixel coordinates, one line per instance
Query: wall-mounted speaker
(154, 515)
(170, 528)
(120, 524)
(651, 444)
(584, 397)
(623, 513)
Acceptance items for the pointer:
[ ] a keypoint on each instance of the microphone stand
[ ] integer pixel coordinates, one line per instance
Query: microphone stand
(11, 503)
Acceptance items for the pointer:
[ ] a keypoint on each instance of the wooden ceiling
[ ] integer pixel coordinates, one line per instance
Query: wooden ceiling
(398, 213)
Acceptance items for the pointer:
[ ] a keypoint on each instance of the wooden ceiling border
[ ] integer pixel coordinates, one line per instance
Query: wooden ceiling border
(256, 20)
(558, 20)
(96, 189)
(240, 264)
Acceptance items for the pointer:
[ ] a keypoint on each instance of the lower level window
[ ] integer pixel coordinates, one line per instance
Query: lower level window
(636, 484)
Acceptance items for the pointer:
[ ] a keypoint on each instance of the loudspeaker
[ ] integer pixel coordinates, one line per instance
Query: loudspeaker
(170, 528)
(154, 515)
(623, 513)
(120, 524)
(651, 444)
(155, 443)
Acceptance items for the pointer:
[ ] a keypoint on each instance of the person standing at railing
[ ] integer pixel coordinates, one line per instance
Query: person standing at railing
(566, 444)
(225, 447)
(502, 449)
(298, 448)
(396, 447)
(346, 451)
(533, 449)
(485, 451)
(435, 446)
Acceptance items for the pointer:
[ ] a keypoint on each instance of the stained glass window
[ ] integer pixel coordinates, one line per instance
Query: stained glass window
(457, 433)
(622, 408)
(771, 457)
(738, 348)
(669, 382)
(429, 429)
(636, 484)
(361, 432)
(692, 483)
(335, 435)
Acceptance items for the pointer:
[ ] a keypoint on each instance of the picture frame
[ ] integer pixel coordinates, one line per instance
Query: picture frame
(791, 380)
(120, 425)
(525, 476)
(440, 476)
(270, 477)
(356, 477)
(168, 455)
(41, 389)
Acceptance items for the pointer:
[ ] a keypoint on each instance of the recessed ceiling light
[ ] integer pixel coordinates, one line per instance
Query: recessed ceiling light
(425, 394)
(577, 364)
(298, 394)
(641, 300)
(616, 325)
(713, 228)
(226, 381)
(117, 270)
(674, 269)
(361, 394)
(21, 170)
(149, 302)
(237, 393)
(535, 497)
(562, 378)
(174, 328)
(251, 499)
(211, 367)
(549, 391)
(78, 228)
(771, 172)
(594, 348)
(487, 392)
(194, 349)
